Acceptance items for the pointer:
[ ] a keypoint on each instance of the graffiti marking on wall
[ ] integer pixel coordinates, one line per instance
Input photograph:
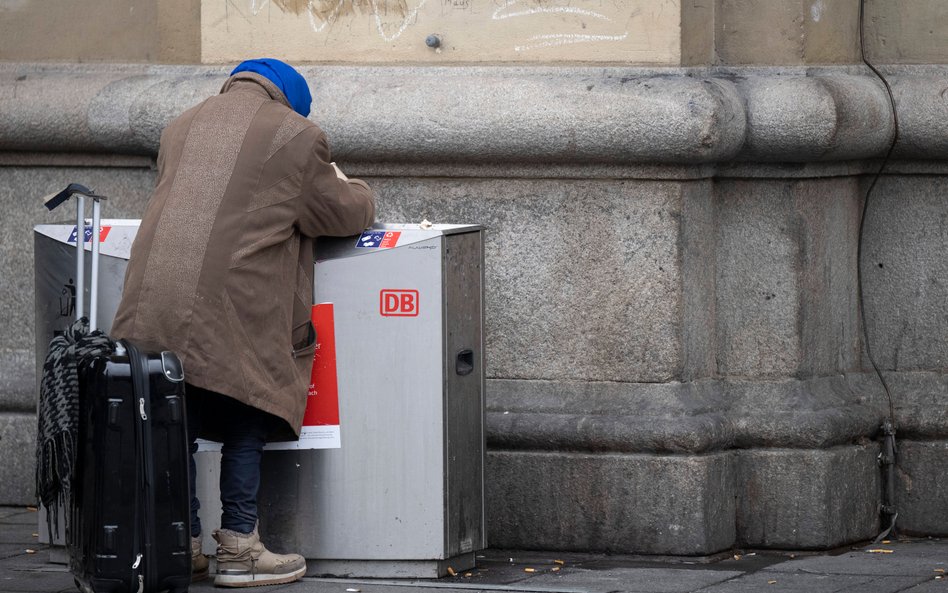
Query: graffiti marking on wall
(409, 18)
(391, 17)
(555, 39)
(501, 13)
(515, 8)
(641, 31)
(327, 20)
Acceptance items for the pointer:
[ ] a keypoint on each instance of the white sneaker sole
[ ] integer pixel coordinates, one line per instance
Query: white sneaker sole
(257, 580)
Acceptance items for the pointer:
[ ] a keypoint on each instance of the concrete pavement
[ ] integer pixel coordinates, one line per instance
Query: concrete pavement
(904, 564)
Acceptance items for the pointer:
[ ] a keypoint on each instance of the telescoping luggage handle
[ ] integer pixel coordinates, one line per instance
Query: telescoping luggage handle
(81, 192)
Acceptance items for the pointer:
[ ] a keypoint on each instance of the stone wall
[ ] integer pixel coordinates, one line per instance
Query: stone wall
(165, 31)
(675, 358)
(631, 32)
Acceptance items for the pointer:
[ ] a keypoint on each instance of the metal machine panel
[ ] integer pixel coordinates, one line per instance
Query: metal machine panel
(411, 395)
(390, 379)
(464, 394)
(404, 496)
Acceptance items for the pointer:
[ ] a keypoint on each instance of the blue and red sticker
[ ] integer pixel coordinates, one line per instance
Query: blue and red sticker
(87, 235)
(378, 239)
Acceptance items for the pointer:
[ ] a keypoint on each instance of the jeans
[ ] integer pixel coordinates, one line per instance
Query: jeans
(243, 432)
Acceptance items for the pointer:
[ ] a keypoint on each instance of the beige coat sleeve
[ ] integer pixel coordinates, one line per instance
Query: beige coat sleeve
(329, 205)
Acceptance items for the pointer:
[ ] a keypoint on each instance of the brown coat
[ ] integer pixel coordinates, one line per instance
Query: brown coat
(221, 271)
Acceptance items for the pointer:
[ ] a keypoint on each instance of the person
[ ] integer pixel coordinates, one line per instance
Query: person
(221, 273)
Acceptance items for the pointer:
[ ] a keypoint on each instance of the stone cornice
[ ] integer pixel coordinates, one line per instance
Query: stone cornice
(711, 414)
(516, 115)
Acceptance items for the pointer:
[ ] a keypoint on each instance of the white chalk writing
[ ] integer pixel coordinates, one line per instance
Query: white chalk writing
(554, 39)
(515, 8)
(564, 22)
(500, 13)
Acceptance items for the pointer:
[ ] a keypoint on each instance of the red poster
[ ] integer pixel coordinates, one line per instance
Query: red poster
(320, 428)
(322, 407)
(321, 419)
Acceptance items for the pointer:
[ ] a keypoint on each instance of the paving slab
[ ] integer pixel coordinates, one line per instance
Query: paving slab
(499, 574)
(932, 586)
(6, 512)
(922, 548)
(814, 583)
(18, 515)
(904, 559)
(634, 580)
(38, 577)
(19, 534)
(11, 549)
(21, 560)
(320, 586)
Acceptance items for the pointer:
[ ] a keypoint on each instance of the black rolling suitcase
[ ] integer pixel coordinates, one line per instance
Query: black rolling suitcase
(131, 500)
(130, 508)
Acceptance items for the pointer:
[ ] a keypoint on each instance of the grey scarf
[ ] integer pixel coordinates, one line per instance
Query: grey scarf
(59, 414)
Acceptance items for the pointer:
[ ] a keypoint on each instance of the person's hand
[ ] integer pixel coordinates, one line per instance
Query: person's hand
(339, 172)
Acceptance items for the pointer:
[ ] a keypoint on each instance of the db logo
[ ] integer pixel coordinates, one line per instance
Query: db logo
(398, 303)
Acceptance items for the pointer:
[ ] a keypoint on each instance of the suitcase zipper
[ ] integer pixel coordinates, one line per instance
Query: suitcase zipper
(132, 353)
(139, 368)
(141, 579)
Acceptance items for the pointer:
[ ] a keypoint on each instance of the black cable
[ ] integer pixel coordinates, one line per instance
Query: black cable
(888, 425)
(865, 208)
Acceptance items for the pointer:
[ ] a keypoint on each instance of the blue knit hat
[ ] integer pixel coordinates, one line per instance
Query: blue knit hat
(286, 78)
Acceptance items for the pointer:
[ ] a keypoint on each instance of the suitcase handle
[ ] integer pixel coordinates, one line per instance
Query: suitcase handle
(81, 192)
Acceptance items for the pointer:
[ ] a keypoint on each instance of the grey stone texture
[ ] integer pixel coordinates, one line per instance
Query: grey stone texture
(810, 414)
(918, 398)
(549, 245)
(906, 273)
(922, 490)
(786, 280)
(695, 249)
(610, 502)
(814, 118)
(490, 114)
(17, 450)
(758, 291)
(17, 380)
(807, 498)
(680, 418)
(923, 129)
(688, 418)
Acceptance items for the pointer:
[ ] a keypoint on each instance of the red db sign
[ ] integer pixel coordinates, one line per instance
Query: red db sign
(398, 302)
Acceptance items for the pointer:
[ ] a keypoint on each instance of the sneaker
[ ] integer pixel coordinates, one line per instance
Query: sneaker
(199, 562)
(243, 561)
